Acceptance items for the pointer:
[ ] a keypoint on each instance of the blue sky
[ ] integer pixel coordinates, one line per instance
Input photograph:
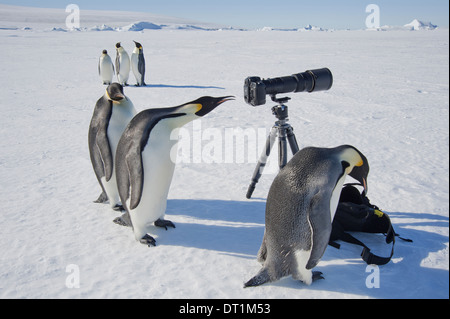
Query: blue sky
(275, 13)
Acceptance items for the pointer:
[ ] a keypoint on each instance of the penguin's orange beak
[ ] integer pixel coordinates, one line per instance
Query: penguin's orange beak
(224, 99)
(365, 185)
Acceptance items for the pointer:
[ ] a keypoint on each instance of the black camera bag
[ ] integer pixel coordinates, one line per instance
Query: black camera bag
(355, 213)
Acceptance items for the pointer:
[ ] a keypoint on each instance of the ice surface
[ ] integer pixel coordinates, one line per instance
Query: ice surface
(390, 99)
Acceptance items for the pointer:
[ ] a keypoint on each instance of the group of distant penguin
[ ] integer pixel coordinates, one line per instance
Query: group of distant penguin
(131, 157)
(123, 64)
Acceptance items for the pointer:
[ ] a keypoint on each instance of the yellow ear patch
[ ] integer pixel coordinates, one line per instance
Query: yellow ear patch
(199, 107)
(107, 95)
(360, 163)
(352, 157)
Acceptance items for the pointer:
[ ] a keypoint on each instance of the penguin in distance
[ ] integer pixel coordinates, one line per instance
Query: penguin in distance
(300, 208)
(145, 163)
(138, 64)
(112, 113)
(105, 68)
(122, 65)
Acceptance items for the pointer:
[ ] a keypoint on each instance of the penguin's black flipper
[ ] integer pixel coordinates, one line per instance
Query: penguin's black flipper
(105, 153)
(148, 240)
(141, 67)
(320, 229)
(164, 223)
(136, 173)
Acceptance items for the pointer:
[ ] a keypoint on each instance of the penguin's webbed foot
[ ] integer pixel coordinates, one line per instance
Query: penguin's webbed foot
(119, 221)
(164, 223)
(317, 275)
(118, 208)
(103, 198)
(123, 220)
(148, 240)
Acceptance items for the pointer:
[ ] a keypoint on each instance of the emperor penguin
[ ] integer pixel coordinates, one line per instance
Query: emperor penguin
(145, 162)
(122, 65)
(112, 113)
(138, 64)
(105, 68)
(300, 208)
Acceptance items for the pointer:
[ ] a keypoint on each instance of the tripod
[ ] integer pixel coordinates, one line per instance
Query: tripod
(284, 132)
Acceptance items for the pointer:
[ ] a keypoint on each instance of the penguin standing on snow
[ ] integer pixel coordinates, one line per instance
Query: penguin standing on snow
(122, 65)
(105, 68)
(112, 113)
(145, 163)
(138, 64)
(300, 208)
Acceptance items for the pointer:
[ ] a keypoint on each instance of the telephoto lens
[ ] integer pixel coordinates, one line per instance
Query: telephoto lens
(315, 80)
(255, 89)
(310, 81)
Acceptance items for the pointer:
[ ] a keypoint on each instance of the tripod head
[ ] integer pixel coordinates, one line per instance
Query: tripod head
(280, 100)
(280, 111)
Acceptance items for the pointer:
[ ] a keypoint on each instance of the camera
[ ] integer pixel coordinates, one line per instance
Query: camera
(255, 89)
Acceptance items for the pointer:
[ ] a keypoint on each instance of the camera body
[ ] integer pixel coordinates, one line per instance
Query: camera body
(255, 89)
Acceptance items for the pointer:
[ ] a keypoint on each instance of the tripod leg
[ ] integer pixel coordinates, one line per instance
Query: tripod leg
(282, 151)
(292, 140)
(262, 161)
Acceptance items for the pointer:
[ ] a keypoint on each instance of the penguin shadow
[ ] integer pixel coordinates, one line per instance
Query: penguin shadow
(405, 276)
(170, 86)
(230, 227)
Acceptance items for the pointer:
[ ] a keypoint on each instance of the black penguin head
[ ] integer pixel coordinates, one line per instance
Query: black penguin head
(361, 170)
(117, 45)
(105, 52)
(115, 93)
(138, 45)
(208, 103)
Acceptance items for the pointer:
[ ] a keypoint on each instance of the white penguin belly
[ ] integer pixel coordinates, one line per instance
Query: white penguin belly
(124, 71)
(334, 201)
(106, 70)
(158, 170)
(134, 67)
(122, 113)
(302, 258)
(111, 189)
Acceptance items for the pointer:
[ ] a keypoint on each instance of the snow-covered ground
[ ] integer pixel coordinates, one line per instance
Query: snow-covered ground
(390, 99)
